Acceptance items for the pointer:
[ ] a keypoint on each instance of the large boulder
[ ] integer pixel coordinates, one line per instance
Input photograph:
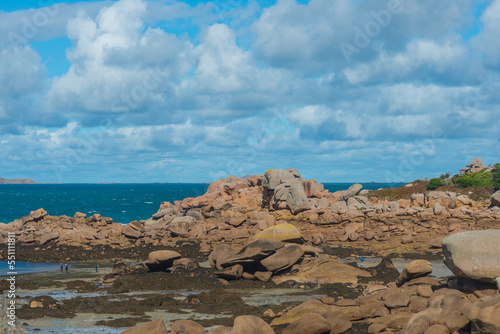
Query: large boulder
(484, 315)
(182, 225)
(297, 312)
(495, 199)
(219, 254)
(446, 307)
(249, 324)
(477, 162)
(282, 232)
(162, 259)
(447, 199)
(311, 323)
(284, 187)
(353, 190)
(338, 320)
(38, 214)
(48, 237)
(414, 269)
(152, 327)
(284, 258)
(473, 254)
(324, 269)
(187, 327)
(252, 252)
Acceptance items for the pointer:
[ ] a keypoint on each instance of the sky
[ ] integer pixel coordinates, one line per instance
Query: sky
(194, 91)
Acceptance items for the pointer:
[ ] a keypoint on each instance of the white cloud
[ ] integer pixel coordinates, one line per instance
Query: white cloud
(424, 56)
(310, 115)
(115, 66)
(487, 41)
(222, 65)
(164, 86)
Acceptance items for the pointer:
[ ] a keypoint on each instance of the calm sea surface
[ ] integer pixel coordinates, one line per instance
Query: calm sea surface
(122, 202)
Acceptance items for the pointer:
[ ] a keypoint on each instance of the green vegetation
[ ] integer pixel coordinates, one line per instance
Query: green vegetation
(496, 176)
(479, 179)
(445, 175)
(435, 183)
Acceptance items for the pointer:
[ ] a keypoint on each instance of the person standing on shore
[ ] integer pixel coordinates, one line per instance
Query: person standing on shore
(96, 267)
(62, 267)
(66, 267)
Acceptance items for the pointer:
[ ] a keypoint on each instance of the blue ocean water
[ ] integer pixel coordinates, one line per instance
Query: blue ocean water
(122, 202)
(22, 267)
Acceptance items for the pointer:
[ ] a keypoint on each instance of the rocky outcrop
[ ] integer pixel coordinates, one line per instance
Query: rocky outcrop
(473, 254)
(323, 269)
(162, 259)
(495, 199)
(283, 188)
(281, 232)
(475, 166)
(484, 315)
(249, 324)
(187, 327)
(235, 209)
(263, 260)
(414, 269)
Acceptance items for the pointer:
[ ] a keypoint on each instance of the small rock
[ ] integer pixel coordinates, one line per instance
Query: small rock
(152, 327)
(249, 324)
(311, 323)
(269, 313)
(414, 269)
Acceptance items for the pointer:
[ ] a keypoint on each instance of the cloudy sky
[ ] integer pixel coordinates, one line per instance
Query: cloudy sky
(192, 91)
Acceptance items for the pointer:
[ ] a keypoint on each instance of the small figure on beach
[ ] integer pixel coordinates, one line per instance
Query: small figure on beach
(66, 267)
(362, 261)
(62, 267)
(96, 267)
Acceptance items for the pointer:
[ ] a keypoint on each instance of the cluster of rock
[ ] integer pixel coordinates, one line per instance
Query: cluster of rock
(161, 260)
(475, 166)
(263, 259)
(413, 304)
(245, 324)
(236, 209)
(40, 228)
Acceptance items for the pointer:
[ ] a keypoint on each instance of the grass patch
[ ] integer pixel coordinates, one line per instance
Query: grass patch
(478, 179)
(393, 194)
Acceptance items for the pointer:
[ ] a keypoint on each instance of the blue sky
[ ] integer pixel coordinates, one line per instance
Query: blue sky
(192, 91)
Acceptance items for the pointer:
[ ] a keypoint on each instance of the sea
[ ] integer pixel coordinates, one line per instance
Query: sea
(123, 202)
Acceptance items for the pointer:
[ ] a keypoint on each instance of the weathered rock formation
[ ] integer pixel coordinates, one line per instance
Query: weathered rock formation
(263, 259)
(234, 209)
(473, 254)
(475, 166)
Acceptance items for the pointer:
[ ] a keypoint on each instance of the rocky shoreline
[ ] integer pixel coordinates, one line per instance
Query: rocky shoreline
(271, 231)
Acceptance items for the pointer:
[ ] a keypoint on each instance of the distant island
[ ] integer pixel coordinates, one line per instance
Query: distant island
(16, 181)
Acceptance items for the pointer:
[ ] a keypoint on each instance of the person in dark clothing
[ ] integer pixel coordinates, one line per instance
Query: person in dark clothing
(62, 267)
(66, 267)
(96, 267)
